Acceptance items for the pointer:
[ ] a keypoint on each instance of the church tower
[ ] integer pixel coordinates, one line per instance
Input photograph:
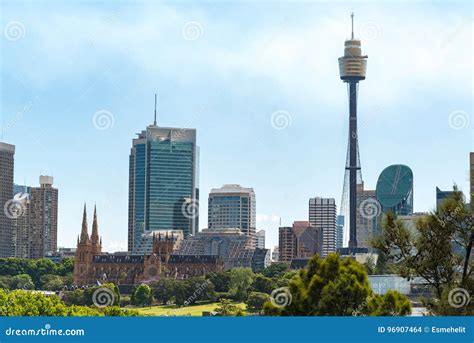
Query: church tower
(85, 252)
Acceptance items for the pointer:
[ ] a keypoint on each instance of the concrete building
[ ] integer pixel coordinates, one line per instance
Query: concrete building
(233, 206)
(441, 196)
(44, 218)
(35, 226)
(231, 245)
(261, 239)
(7, 212)
(163, 184)
(300, 241)
(276, 254)
(369, 213)
(322, 216)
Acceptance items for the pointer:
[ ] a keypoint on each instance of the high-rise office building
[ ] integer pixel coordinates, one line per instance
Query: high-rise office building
(260, 242)
(322, 215)
(43, 218)
(339, 231)
(300, 241)
(441, 196)
(232, 206)
(368, 216)
(163, 184)
(7, 152)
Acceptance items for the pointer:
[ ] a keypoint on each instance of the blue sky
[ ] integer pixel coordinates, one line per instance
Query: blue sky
(224, 68)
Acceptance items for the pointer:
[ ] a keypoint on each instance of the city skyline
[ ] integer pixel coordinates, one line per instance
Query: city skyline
(261, 155)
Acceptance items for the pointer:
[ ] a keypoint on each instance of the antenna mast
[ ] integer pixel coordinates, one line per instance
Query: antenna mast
(352, 24)
(154, 122)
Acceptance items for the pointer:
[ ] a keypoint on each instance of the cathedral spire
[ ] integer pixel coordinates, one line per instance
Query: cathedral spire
(95, 228)
(84, 234)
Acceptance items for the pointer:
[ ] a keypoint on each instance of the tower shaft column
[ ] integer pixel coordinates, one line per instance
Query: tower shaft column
(353, 167)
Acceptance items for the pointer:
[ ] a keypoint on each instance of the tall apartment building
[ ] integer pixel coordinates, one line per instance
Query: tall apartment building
(36, 225)
(163, 185)
(369, 212)
(22, 222)
(260, 241)
(233, 206)
(300, 241)
(44, 218)
(286, 244)
(322, 216)
(7, 152)
(276, 254)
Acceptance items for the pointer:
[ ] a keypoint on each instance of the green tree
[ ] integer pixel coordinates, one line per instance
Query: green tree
(255, 302)
(275, 269)
(328, 287)
(163, 290)
(369, 265)
(438, 251)
(240, 281)
(263, 284)
(142, 295)
(66, 266)
(51, 282)
(22, 281)
(227, 308)
(220, 280)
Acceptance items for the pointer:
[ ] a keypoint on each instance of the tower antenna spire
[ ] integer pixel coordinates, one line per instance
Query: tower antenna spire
(352, 25)
(154, 122)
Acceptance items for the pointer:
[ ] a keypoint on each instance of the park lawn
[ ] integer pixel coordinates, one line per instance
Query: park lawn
(172, 310)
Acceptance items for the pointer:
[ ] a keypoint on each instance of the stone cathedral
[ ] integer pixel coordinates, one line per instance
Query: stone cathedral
(92, 266)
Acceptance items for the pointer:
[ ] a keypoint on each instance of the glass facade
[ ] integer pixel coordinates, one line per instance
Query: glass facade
(232, 206)
(163, 194)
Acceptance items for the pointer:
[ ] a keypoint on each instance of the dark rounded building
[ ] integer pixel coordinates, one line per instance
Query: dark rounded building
(395, 189)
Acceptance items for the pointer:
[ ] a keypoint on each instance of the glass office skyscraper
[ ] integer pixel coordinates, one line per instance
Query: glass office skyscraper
(233, 206)
(163, 191)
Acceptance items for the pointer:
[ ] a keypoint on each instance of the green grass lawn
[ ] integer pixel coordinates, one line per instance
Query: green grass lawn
(172, 310)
